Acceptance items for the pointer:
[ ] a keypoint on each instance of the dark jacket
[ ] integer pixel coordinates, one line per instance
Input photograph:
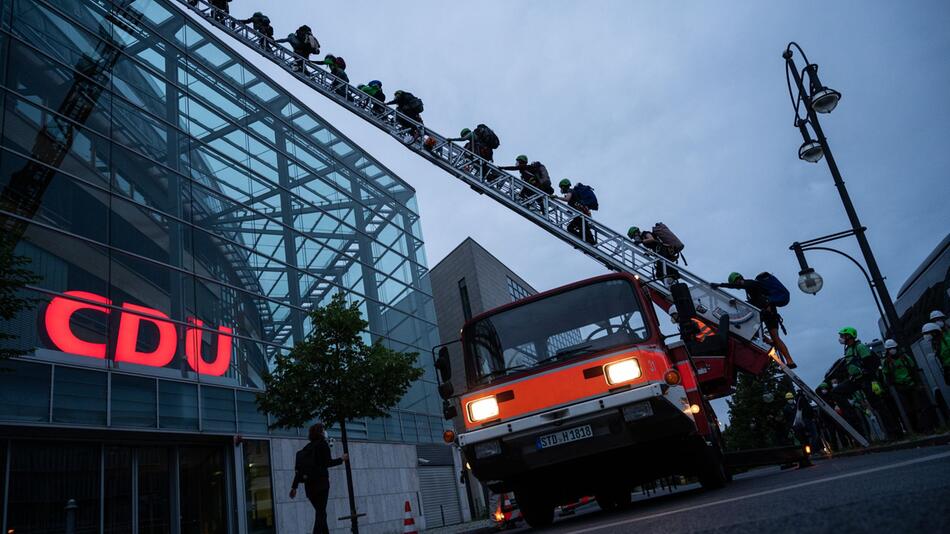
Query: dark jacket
(755, 292)
(315, 458)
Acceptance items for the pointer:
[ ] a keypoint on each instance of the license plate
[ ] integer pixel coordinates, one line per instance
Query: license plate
(565, 436)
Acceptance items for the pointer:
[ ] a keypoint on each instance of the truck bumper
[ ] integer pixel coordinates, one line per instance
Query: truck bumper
(625, 443)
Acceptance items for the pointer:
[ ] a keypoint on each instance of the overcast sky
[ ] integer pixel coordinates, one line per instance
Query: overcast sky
(675, 114)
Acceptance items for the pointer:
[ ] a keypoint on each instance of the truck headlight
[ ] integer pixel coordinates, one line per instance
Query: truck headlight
(622, 371)
(482, 409)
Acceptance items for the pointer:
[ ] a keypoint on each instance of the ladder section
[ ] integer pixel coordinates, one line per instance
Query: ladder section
(612, 249)
(821, 403)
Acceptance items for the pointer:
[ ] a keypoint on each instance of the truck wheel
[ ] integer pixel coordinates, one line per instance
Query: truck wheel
(537, 511)
(712, 467)
(615, 499)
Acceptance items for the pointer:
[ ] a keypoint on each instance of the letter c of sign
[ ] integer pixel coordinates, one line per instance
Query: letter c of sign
(58, 314)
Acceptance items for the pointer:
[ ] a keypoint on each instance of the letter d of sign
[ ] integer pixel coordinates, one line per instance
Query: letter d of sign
(129, 325)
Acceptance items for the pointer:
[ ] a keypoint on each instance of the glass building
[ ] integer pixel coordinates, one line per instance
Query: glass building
(181, 213)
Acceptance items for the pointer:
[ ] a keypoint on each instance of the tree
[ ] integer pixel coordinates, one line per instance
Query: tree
(755, 410)
(334, 376)
(14, 276)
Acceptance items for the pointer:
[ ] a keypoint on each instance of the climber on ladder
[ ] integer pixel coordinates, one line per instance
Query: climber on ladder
(767, 294)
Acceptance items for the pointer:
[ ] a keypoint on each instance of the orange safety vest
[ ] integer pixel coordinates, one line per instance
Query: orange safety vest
(704, 330)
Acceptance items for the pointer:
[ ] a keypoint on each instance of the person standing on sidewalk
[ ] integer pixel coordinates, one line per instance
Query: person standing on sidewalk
(900, 371)
(311, 469)
(937, 332)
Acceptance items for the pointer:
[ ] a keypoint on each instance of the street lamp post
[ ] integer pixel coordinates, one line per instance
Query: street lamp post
(821, 99)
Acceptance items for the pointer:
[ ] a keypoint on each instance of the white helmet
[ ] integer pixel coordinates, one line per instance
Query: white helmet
(937, 314)
(890, 344)
(672, 310)
(930, 328)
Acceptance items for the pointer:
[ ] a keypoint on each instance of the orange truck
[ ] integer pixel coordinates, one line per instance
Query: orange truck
(576, 392)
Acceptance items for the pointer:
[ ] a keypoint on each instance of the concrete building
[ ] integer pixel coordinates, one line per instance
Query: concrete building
(182, 213)
(467, 282)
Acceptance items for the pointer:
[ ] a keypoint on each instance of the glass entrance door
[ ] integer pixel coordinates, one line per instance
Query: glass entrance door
(203, 496)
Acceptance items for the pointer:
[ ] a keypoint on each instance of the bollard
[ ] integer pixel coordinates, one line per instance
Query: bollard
(71, 508)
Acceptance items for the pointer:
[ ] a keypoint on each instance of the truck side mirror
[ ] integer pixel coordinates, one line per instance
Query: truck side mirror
(685, 309)
(448, 410)
(723, 332)
(443, 365)
(446, 390)
(683, 301)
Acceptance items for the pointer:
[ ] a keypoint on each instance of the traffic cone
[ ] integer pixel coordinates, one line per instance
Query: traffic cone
(409, 524)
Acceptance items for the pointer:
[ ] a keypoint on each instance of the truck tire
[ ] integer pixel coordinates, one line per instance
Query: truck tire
(614, 499)
(711, 468)
(536, 510)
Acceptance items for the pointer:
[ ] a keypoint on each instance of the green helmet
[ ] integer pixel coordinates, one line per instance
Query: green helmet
(848, 331)
(464, 132)
(633, 232)
(522, 158)
(789, 395)
(733, 276)
(564, 184)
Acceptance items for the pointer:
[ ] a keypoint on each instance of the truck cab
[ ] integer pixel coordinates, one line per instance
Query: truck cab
(575, 392)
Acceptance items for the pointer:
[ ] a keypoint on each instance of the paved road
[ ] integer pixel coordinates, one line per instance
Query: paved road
(900, 491)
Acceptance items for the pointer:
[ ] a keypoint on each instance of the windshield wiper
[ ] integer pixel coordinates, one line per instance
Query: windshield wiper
(500, 372)
(583, 349)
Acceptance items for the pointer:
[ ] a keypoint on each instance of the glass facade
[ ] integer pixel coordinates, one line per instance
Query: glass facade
(182, 213)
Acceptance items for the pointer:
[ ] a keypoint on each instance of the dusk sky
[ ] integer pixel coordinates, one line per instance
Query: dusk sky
(675, 114)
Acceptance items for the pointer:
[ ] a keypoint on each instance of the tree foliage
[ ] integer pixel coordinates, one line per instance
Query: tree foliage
(755, 410)
(333, 375)
(14, 276)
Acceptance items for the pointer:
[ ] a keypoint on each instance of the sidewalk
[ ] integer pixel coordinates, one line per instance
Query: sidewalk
(479, 526)
(922, 441)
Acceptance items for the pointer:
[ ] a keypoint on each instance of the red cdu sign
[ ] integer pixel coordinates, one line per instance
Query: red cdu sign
(61, 309)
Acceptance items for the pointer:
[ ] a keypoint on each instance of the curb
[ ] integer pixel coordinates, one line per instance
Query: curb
(929, 441)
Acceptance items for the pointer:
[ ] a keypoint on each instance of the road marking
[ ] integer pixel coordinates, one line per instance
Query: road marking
(764, 492)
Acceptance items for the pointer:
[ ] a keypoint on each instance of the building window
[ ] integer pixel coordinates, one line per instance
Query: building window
(515, 290)
(79, 396)
(466, 304)
(46, 475)
(257, 487)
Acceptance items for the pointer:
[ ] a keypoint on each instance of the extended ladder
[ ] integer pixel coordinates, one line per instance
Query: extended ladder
(612, 249)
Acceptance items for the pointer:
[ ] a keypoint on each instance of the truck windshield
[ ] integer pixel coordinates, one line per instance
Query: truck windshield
(567, 325)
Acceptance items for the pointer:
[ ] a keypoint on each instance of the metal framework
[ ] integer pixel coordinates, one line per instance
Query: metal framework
(328, 218)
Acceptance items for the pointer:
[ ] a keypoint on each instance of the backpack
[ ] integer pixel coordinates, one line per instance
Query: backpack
(413, 103)
(584, 194)
(486, 137)
(543, 178)
(340, 63)
(668, 238)
(311, 42)
(777, 293)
